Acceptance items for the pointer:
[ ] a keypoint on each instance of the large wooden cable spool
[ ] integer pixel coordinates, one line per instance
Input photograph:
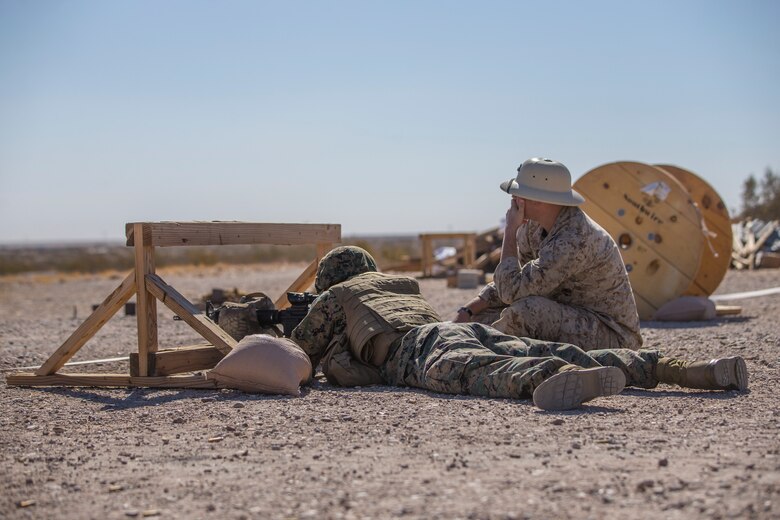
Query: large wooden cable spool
(716, 255)
(652, 218)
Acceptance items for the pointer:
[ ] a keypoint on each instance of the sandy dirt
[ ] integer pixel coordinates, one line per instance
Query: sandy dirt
(376, 452)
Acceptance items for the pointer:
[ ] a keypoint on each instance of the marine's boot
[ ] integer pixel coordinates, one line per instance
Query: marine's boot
(572, 386)
(719, 374)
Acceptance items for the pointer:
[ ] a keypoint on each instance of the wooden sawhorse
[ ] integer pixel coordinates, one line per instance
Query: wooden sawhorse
(150, 287)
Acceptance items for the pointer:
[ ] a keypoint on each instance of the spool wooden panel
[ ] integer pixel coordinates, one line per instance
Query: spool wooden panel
(716, 254)
(660, 238)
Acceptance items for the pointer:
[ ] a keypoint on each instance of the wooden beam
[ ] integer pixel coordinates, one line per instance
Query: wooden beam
(323, 248)
(146, 305)
(90, 326)
(426, 256)
(304, 280)
(180, 381)
(469, 250)
(443, 236)
(165, 362)
(193, 316)
(229, 233)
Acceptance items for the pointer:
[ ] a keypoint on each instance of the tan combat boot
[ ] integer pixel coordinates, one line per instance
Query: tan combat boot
(719, 374)
(572, 386)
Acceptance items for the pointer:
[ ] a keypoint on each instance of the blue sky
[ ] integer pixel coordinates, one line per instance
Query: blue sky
(385, 117)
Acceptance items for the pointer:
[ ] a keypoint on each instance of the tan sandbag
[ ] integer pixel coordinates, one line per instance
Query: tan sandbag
(687, 308)
(264, 364)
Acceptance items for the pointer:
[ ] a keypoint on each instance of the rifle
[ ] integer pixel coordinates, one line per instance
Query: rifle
(289, 318)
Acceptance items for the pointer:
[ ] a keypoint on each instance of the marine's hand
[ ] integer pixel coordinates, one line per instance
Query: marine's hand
(462, 316)
(515, 214)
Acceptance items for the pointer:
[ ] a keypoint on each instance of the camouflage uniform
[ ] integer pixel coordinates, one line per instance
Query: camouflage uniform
(476, 359)
(358, 316)
(568, 285)
(459, 358)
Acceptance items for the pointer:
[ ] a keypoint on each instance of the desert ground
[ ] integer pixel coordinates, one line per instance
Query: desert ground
(375, 452)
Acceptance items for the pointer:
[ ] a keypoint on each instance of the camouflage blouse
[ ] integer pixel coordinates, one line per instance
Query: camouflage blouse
(577, 263)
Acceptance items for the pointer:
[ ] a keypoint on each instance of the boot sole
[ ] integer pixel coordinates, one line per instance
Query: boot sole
(568, 390)
(731, 373)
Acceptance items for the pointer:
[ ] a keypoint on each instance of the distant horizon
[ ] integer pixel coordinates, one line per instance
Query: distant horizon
(121, 242)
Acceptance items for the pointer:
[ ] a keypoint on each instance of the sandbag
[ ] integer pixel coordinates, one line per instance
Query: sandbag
(687, 308)
(264, 364)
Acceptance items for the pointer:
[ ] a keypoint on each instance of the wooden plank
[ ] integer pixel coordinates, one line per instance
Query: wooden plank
(426, 255)
(146, 305)
(304, 281)
(469, 250)
(99, 380)
(165, 362)
(230, 233)
(193, 316)
(323, 248)
(90, 326)
(442, 236)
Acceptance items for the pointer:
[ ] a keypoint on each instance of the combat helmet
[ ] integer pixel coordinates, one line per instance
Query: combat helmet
(341, 264)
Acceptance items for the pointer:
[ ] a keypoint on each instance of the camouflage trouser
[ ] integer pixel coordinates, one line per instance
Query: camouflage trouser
(542, 318)
(475, 359)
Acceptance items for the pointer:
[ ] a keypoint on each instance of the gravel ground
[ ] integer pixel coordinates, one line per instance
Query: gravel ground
(376, 452)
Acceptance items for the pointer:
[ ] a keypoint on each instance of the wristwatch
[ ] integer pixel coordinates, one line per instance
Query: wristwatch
(466, 310)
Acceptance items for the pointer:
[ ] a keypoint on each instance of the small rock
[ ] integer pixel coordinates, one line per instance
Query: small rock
(25, 503)
(238, 405)
(663, 462)
(645, 484)
(557, 422)
(216, 439)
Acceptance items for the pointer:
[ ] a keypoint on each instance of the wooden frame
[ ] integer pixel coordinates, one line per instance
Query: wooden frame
(158, 369)
(468, 252)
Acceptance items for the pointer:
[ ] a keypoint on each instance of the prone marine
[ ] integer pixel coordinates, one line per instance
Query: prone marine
(367, 327)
